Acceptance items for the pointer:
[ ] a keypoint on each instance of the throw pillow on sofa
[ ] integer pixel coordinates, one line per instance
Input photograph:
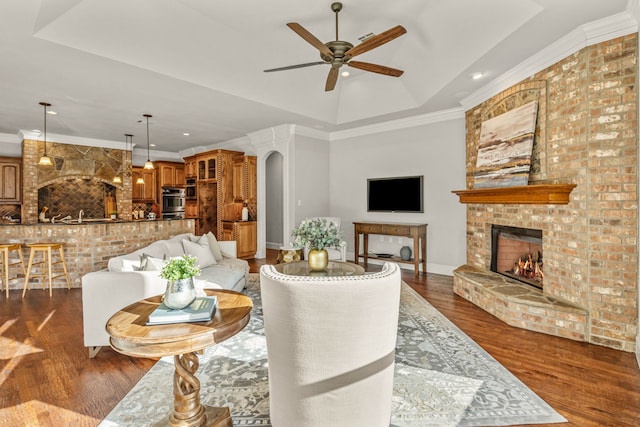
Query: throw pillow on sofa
(150, 263)
(201, 251)
(213, 244)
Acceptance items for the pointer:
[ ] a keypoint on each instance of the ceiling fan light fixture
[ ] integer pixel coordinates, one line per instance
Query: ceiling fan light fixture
(45, 160)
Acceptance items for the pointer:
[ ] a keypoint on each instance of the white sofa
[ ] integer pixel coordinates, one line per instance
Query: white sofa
(330, 347)
(135, 276)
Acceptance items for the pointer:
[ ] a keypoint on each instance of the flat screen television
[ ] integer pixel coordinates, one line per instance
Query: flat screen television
(396, 194)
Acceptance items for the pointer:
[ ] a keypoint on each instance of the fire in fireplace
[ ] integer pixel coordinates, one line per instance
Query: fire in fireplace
(517, 253)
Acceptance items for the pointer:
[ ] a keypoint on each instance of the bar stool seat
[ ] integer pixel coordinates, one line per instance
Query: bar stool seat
(6, 265)
(47, 265)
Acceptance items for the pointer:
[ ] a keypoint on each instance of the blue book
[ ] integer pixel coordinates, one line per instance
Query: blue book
(200, 310)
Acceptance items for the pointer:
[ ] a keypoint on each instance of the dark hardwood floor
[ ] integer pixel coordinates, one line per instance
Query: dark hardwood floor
(47, 378)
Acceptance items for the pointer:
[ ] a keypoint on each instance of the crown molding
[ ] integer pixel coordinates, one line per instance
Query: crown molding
(312, 133)
(404, 123)
(608, 28)
(9, 138)
(74, 140)
(271, 136)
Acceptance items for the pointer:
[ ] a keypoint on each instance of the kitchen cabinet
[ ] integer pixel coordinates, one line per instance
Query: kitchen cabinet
(143, 192)
(191, 209)
(245, 179)
(168, 174)
(245, 234)
(207, 167)
(190, 167)
(10, 180)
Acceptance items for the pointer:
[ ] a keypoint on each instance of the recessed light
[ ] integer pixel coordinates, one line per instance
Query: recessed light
(152, 145)
(476, 76)
(345, 74)
(53, 113)
(185, 134)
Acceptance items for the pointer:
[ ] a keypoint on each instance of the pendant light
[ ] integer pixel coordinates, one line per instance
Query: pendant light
(45, 160)
(148, 164)
(126, 165)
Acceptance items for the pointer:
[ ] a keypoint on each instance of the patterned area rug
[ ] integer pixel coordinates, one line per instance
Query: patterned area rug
(442, 378)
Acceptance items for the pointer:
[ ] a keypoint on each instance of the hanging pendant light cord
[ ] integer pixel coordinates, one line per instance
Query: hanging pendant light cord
(148, 156)
(45, 105)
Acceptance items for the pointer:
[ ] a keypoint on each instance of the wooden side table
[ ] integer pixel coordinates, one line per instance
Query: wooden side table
(131, 336)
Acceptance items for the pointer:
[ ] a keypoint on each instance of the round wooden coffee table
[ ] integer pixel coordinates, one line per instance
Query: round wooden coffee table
(131, 336)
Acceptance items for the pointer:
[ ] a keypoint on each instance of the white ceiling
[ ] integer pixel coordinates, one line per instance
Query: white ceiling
(197, 65)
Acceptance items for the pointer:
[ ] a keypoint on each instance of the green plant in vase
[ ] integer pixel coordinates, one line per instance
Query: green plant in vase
(179, 273)
(316, 234)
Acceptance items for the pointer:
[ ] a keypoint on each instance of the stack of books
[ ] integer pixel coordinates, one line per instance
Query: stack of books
(200, 310)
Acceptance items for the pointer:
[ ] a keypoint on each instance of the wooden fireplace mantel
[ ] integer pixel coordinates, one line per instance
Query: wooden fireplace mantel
(543, 194)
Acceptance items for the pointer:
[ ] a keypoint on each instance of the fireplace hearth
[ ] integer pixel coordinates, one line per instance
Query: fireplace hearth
(517, 253)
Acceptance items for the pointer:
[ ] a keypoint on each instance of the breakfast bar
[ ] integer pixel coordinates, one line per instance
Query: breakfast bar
(89, 245)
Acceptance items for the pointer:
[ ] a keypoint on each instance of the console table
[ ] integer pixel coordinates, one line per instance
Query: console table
(418, 232)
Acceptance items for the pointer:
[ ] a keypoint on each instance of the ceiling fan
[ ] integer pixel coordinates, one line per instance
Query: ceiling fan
(338, 53)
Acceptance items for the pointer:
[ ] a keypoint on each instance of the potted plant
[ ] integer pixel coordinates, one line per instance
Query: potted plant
(179, 273)
(317, 234)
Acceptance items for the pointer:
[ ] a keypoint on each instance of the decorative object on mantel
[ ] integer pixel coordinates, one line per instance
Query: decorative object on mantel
(148, 164)
(45, 160)
(179, 273)
(405, 253)
(504, 148)
(316, 234)
(542, 194)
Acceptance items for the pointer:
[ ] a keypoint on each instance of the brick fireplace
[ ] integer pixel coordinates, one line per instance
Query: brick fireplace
(586, 134)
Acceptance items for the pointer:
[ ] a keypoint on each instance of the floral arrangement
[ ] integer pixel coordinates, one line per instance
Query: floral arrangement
(316, 233)
(180, 268)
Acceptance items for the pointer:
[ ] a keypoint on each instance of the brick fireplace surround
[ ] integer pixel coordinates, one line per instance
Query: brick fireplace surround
(586, 134)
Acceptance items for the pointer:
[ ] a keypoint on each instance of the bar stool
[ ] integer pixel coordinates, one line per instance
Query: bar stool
(47, 265)
(6, 265)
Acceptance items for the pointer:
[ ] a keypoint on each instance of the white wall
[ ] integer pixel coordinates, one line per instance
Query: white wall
(435, 150)
(311, 178)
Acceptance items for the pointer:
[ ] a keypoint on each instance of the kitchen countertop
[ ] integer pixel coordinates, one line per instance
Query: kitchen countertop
(89, 221)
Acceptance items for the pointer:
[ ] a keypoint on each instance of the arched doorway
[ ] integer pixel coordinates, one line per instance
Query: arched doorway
(274, 201)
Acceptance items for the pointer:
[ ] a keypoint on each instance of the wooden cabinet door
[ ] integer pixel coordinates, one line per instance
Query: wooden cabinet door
(179, 177)
(190, 167)
(238, 180)
(247, 239)
(143, 192)
(228, 231)
(10, 178)
(252, 179)
(191, 210)
(166, 175)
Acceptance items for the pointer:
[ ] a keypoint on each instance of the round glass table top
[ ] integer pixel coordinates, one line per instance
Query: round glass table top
(334, 268)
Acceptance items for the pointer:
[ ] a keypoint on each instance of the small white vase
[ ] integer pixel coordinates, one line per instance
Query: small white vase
(179, 294)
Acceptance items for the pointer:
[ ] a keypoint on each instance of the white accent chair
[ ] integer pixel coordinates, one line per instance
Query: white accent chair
(338, 253)
(331, 347)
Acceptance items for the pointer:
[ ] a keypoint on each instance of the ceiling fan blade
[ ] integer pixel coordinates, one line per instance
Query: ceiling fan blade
(375, 68)
(291, 67)
(376, 41)
(332, 78)
(310, 38)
